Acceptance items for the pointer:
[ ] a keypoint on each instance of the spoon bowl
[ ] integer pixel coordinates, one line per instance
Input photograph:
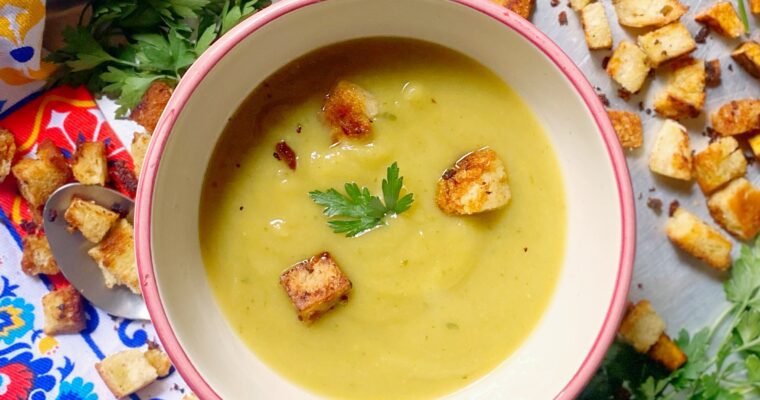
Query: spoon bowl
(70, 250)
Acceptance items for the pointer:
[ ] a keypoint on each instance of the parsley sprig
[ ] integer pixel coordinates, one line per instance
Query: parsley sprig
(723, 359)
(127, 44)
(359, 211)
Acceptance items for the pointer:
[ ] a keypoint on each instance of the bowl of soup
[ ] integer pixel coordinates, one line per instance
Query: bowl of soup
(373, 199)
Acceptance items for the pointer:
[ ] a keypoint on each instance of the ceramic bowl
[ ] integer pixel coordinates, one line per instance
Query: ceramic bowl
(565, 348)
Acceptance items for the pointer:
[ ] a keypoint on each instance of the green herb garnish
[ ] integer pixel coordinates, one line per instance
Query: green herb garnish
(723, 362)
(743, 15)
(127, 44)
(359, 211)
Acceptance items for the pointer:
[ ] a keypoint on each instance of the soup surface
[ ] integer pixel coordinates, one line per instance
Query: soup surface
(437, 300)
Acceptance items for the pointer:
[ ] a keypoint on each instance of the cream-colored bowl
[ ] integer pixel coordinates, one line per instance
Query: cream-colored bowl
(564, 349)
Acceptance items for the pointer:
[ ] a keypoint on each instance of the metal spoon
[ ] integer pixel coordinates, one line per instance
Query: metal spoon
(70, 250)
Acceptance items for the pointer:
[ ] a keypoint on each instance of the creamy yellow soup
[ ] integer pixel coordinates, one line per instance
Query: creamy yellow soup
(438, 301)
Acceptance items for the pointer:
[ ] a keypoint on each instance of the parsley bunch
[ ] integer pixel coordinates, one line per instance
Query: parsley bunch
(359, 211)
(125, 45)
(723, 359)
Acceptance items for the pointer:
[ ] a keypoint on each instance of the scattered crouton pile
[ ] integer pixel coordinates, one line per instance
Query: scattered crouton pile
(644, 330)
(665, 46)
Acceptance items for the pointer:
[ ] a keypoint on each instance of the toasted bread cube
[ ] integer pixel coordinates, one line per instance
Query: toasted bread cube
(737, 208)
(523, 8)
(89, 163)
(628, 66)
(754, 143)
(7, 151)
(754, 6)
(476, 183)
(315, 286)
(126, 372)
(628, 128)
(190, 396)
(684, 94)
(151, 106)
(38, 179)
(666, 352)
(596, 27)
(737, 117)
(348, 110)
(93, 220)
(115, 256)
(159, 360)
(671, 155)
(64, 311)
(667, 43)
(139, 148)
(718, 164)
(748, 56)
(722, 18)
(37, 257)
(702, 241)
(578, 5)
(641, 326)
(645, 13)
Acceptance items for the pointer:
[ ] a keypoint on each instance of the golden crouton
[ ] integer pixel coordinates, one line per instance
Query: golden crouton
(684, 94)
(628, 66)
(190, 396)
(596, 27)
(115, 256)
(152, 104)
(671, 155)
(719, 163)
(641, 326)
(139, 147)
(737, 117)
(349, 109)
(700, 240)
(667, 353)
(754, 144)
(523, 8)
(669, 42)
(722, 18)
(748, 56)
(126, 372)
(578, 5)
(37, 257)
(315, 286)
(754, 6)
(737, 208)
(92, 220)
(159, 360)
(38, 179)
(89, 163)
(628, 128)
(64, 311)
(644, 13)
(7, 151)
(476, 183)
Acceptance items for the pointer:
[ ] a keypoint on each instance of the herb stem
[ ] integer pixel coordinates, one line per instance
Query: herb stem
(743, 14)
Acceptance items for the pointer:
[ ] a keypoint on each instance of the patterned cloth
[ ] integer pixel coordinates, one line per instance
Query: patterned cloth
(33, 365)
(22, 73)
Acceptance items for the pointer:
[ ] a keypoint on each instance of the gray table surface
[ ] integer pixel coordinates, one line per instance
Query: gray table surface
(685, 292)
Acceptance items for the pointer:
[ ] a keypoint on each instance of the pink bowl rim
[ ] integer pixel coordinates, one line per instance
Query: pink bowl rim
(211, 57)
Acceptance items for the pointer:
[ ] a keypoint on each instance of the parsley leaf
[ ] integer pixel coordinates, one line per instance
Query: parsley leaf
(359, 210)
